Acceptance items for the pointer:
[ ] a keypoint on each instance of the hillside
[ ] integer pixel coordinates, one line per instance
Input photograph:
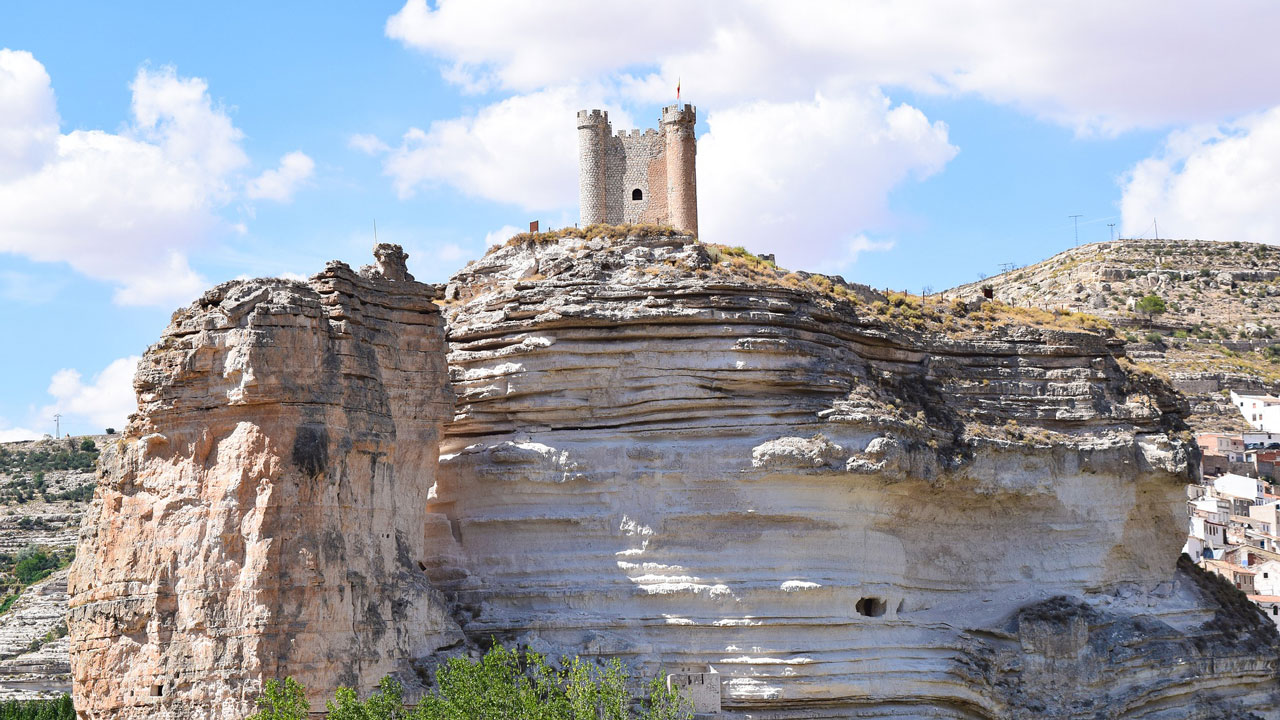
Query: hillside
(1220, 328)
(44, 488)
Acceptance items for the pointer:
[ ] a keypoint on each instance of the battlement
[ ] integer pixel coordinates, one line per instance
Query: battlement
(635, 134)
(588, 118)
(677, 114)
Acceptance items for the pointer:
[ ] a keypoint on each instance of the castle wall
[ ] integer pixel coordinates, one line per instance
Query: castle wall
(639, 151)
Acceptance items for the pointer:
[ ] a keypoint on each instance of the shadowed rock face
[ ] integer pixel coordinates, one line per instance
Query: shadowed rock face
(262, 515)
(655, 457)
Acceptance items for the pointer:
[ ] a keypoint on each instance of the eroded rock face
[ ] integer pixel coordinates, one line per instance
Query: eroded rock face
(657, 459)
(263, 513)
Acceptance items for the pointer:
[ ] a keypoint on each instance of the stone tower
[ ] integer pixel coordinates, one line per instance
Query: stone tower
(639, 177)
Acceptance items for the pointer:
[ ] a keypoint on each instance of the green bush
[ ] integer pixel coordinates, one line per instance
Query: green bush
(1151, 305)
(34, 565)
(58, 709)
(282, 701)
(502, 685)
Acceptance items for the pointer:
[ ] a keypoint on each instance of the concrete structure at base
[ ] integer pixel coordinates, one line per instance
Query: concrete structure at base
(639, 177)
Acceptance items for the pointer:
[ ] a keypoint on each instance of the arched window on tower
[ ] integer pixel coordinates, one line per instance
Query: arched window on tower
(637, 195)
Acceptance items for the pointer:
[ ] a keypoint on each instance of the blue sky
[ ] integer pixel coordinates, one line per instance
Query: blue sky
(149, 150)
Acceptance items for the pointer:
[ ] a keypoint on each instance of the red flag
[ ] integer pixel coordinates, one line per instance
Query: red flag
(677, 89)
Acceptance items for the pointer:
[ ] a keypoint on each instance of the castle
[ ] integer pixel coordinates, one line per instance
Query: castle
(636, 177)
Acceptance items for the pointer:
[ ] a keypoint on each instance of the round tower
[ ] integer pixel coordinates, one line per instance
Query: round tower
(593, 132)
(682, 179)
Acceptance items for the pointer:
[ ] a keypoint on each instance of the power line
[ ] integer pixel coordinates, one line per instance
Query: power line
(1113, 230)
(1075, 224)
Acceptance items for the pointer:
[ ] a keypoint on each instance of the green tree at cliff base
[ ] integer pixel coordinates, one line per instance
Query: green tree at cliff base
(502, 685)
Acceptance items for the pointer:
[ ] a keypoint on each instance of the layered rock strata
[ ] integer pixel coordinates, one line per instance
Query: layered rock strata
(656, 457)
(263, 513)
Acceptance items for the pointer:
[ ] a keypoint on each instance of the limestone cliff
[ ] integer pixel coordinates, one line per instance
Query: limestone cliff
(667, 454)
(262, 515)
(846, 504)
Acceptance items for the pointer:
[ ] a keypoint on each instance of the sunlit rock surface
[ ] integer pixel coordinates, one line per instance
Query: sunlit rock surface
(263, 513)
(657, 457)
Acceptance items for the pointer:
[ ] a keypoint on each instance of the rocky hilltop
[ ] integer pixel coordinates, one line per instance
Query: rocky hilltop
(1219, 331)
(833, 502)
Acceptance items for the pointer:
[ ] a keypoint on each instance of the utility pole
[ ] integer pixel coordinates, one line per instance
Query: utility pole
(1113, 230)
(57, 425)
(1156, 222)
(1075, 224)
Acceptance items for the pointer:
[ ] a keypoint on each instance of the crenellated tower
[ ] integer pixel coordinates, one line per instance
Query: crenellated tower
(682, 177)
(594, 134)
(639, 177)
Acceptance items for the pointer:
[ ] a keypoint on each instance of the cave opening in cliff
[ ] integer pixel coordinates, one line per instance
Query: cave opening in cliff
(871, 606)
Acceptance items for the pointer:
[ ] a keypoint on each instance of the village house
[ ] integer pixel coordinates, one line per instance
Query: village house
(1243, 492)
(1241, 577)
(1270, 605)
(1262, 412)
(1267, 579)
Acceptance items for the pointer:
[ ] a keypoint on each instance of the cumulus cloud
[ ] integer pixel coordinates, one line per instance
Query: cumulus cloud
(1091, 65)
(105, 401)
(795, 178)
(29, 118)
(281, 183)
(1213, 183)
(521, 151)
(127, 207)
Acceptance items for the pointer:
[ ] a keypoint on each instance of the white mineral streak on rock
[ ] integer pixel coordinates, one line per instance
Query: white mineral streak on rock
(833, 517)
(264, 515)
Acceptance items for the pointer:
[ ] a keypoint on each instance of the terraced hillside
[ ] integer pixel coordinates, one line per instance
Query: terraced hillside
(1215, 327)
(44, 489)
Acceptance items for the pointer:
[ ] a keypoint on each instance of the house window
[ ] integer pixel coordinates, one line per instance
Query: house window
(637, 195)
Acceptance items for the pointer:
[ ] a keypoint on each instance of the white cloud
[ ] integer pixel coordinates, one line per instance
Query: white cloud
(18, 435)
(367, 144)
(1094, 64)
(29, 116)
(281, 183)
(861, 244)
(501, 235)
(1213, 183)
(798, 178)
(123, 208)
(106, 401)
(521, 151)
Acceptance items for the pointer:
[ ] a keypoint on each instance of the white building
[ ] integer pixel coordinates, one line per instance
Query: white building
(1267, 581)
(1243, 492)
(1270, 605)
(1262, 412)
